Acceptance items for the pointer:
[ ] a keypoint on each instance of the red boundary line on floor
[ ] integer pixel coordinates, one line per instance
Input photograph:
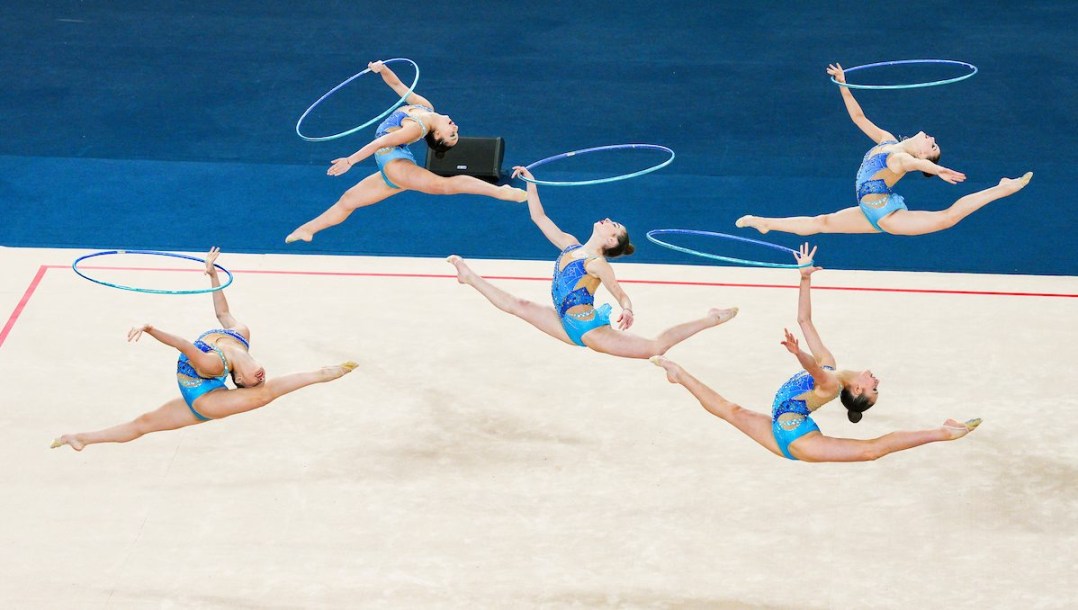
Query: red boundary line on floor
(22, 302)
(43, 268)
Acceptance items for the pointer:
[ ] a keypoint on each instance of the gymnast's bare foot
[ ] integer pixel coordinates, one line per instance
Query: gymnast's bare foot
(329, 373)
(68, 439)
(753, 222)
(1013, 185)
(673, 370)
(722, 315)
(464, 272)
(956, 430)
(510, 193)
(299, 235)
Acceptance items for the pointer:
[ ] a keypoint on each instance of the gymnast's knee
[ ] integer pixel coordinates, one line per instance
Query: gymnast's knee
(818, 224)
(141, 425)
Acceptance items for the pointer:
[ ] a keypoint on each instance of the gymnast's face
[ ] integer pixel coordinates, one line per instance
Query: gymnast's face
(609, 231)
(246, 373)
(444, 130)
(868, 385)
(925, 147)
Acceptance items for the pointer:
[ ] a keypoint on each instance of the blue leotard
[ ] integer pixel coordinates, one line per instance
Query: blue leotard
(389, 153)
(867, 184)
(792, 428)
(572, 286)
(192, 385)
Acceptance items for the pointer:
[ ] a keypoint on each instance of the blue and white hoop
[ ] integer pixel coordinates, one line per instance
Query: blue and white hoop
(574, 153)
(972, 70)
(653, 237)
(75, 268)
(368, 123)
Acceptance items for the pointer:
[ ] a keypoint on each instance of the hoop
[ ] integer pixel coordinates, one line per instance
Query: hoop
(953, 62)
(651, 237)
(368, 123)
(75, 268)
(599, 149)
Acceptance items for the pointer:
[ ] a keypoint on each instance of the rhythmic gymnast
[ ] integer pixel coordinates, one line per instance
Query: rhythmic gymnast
(790, 431)
(879, 208)
(397, 169)
(201, 372)
(579, 270)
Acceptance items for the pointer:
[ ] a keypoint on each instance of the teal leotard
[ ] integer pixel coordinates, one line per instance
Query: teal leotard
(566, 292)
(790, 429)
(192, 385)
(867, 184)
(384, 155)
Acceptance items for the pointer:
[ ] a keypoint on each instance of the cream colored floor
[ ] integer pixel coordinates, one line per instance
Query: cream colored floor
(472, 462)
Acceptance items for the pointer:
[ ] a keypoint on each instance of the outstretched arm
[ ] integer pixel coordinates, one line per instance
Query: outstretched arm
(220, 304)
(408, 133)
(804, 309)
(909, 163)
(559, 238)
(826, 383)
(208, 363)
(856, 114)
(601, 268)
(397, 86)
(820, 448)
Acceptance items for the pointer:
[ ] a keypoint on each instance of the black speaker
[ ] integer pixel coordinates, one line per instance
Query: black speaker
(479, 157)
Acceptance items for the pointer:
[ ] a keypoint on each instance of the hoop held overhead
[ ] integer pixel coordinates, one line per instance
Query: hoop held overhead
(651, 235)
(368, 123)
(973, 70)
(75, 268)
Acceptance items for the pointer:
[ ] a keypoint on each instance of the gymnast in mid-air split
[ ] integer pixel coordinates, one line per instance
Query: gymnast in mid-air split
(397, 168)
(790, 431)
(578, 271)
(201, 371)
(879, 209)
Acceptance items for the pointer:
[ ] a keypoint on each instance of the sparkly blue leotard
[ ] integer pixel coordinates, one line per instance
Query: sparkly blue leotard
(389, 153)
(792, 428)
(567, 291)
(193, 385)
(868, 184)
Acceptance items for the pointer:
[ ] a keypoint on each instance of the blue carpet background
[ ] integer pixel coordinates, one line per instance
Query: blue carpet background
(169, 125)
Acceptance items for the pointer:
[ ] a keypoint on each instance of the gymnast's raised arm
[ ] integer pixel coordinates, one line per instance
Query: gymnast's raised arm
(220, 304)
(397, 86)
(559, 238)
(856, 114)
(820, 353)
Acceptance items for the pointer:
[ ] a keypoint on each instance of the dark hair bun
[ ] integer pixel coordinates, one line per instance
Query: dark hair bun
(629, 249)
(855, 416)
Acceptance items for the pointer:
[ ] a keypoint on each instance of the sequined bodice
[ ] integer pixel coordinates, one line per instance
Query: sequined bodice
(185, 367)
(394, 120)
(220, 331)
(565, 290)
(871, 165)
(786, 400)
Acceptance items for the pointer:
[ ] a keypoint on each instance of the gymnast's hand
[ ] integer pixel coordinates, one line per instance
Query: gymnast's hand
(521, 171)
(625, 320)
(376, 66)
(210, 259)
(950, 176)
(804, 255)
(790, 343)
(835, 70)
(136, 332)
(339, 167)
